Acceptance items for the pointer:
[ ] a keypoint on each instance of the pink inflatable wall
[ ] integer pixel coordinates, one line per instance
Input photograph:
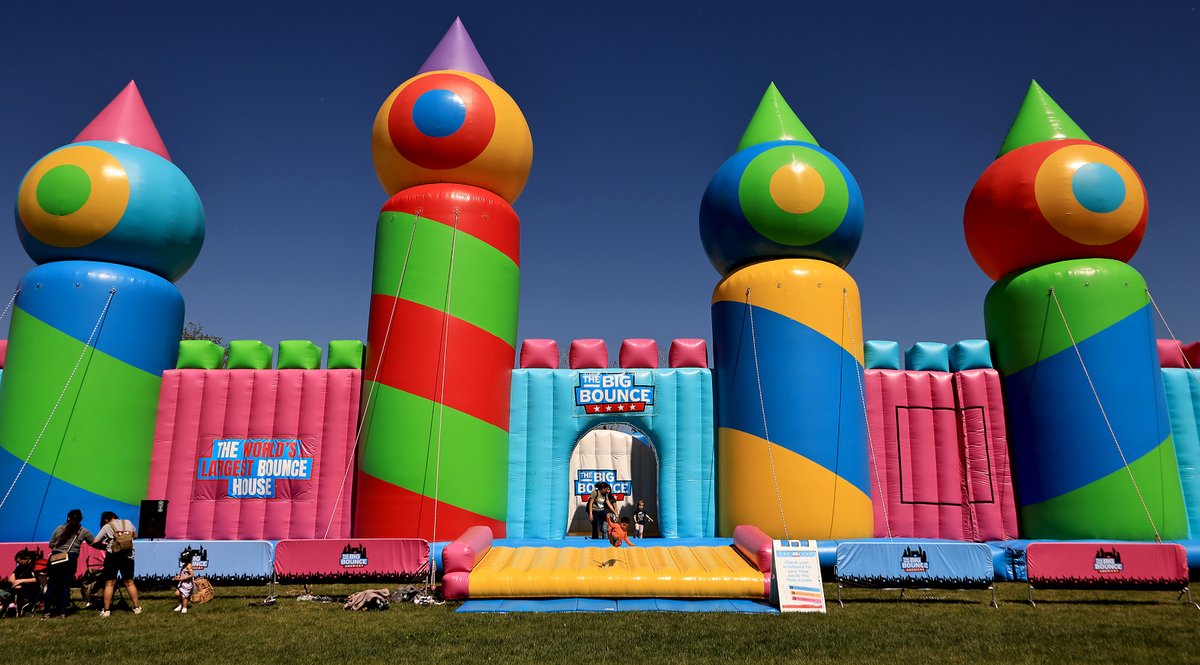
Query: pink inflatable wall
(319, 408)
(942, 453)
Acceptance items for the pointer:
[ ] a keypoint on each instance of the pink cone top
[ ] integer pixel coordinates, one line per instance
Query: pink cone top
(126, 120)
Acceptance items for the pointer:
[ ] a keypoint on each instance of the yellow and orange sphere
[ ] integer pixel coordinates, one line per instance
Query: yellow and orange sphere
(1052, 201)
(452, 127)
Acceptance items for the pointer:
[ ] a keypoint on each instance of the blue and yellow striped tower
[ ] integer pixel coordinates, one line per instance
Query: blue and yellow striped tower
(780, 220)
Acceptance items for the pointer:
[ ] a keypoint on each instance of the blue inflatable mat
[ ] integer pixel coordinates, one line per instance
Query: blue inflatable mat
(617, 605)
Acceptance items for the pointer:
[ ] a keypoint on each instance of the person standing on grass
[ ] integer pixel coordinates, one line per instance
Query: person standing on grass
(183, 581)
(116, 537)
(67, 539)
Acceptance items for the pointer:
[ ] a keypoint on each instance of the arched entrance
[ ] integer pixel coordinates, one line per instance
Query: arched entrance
(622, 455)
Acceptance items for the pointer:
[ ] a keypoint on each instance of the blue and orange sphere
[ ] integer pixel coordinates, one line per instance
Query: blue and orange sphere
(452, 127)
(106, 201)
(781, 199)
(1052, 201)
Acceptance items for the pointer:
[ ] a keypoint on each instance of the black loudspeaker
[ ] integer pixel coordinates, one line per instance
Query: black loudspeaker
(152, 522)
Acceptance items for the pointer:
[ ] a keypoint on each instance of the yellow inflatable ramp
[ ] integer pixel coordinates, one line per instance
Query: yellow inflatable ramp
(610, 572)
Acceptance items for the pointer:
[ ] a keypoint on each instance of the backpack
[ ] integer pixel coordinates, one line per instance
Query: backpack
(202, 590)
(122, 540)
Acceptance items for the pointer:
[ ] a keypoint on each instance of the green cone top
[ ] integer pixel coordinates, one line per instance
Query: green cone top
(1040, 119)
(774, 121)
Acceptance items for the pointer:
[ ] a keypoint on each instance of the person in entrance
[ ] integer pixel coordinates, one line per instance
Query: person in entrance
(600, 504)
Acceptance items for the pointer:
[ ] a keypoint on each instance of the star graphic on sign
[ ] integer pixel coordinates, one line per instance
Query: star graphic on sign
(621, 407)
(608, 408)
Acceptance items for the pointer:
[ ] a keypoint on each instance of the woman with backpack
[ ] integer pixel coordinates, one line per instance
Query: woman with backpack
(64, 561)
(116, 537)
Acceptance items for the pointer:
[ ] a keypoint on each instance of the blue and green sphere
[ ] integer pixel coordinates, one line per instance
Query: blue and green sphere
(781, 199)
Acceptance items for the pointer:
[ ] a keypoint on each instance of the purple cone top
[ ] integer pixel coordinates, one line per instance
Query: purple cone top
(456, 51)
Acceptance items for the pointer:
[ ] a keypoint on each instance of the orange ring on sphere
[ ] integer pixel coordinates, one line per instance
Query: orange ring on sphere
(105, 205)
(1058, 201)
(502, 167)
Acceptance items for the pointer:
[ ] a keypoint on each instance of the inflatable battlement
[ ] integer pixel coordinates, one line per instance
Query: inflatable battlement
(929, 356)
(254, 354)
(635, 353)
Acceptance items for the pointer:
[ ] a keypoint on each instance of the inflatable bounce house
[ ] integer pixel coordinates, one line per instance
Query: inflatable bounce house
(438, 447)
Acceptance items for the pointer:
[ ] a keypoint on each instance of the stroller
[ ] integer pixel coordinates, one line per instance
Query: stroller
(91, 587)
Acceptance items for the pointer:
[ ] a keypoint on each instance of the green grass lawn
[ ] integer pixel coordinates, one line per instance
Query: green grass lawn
(928, 628)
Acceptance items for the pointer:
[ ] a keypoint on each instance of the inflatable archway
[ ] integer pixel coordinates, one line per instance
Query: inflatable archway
(547, 419)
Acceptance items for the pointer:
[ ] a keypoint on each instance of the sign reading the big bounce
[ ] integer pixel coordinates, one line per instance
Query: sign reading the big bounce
(798, 576)
(587, 479)
(253, 466)
(613, 393)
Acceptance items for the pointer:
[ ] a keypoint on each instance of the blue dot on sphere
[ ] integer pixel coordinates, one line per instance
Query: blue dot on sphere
(1098, 187)
(439, 113)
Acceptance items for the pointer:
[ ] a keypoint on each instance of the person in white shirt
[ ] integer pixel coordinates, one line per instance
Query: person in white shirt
(118, 562)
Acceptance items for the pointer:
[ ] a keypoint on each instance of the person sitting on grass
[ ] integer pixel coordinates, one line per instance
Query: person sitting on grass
(23, 581)
(618, 532)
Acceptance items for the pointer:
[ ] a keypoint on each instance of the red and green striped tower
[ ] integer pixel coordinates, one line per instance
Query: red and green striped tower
(453, 150)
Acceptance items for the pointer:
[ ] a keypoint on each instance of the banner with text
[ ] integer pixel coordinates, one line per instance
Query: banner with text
(255, 468)
(797, 569)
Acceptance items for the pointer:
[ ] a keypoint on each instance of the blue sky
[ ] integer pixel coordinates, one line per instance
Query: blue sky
(633, 106)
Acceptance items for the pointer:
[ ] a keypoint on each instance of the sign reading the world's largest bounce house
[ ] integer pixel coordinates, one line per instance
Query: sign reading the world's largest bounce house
(252, 466)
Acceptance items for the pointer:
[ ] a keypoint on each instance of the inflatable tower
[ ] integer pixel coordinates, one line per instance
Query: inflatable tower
(780, 220)
(1053, 221)
(111, 223)
(453, 150)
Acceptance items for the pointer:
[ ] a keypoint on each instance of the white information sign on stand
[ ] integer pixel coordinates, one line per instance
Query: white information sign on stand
(798, 576)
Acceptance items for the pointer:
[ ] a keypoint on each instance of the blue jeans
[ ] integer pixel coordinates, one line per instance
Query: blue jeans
(599, 523)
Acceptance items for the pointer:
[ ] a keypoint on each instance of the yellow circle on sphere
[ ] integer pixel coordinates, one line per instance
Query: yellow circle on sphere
(797, 188)
(1055, 194)
(106, 202)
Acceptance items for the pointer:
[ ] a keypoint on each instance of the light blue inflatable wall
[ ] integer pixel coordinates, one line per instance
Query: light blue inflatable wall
(546, 424)
(1183, 407)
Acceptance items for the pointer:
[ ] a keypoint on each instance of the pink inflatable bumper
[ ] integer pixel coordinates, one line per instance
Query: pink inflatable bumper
(588, 354)
(758, 548)
(459, 559)
(688, 353)
(1171, 354)
(638, 353)
(539, 354)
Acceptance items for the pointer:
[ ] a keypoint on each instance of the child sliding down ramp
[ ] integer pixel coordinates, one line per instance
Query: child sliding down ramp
(475, 569)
